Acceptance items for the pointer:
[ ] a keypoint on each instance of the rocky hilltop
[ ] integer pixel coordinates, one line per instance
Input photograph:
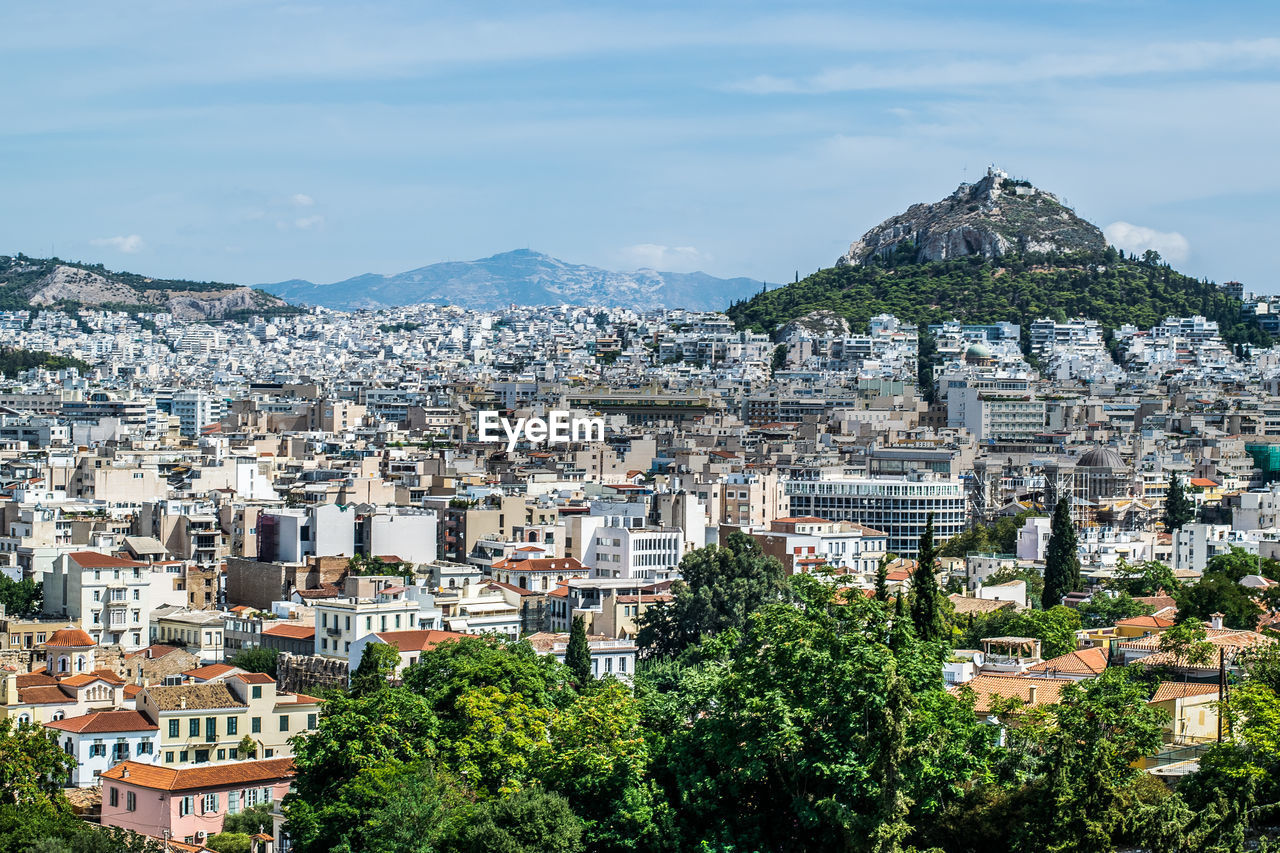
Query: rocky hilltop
(41, 283)
(523, 277)
(990, 218)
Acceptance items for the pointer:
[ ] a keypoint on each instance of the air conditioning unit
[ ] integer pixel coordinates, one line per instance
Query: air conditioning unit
(201, 835)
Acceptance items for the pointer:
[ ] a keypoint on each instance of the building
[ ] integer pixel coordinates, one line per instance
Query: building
(200, 632)
(342, 621)
(899, 507)
(410, 645)
(189, 803)
(108, 596)
(608, 656)
(102, 739)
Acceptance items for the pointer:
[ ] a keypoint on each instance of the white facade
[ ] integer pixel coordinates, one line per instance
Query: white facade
(130, 736)
(108, 596)
(648, 553)
(340, 622)
(411, 536)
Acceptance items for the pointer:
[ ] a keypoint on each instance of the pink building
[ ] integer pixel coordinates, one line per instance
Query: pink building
(189, 804)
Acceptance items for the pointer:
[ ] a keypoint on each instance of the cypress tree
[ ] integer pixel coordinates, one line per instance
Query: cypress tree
(1178, 509)
(882, 577)
(578, 655)
(1062, 561)
(926, 607)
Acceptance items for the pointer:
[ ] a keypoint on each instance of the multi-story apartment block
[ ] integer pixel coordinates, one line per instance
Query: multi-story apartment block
(109, 597)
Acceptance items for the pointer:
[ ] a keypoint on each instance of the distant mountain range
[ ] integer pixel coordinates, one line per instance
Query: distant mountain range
(522, 277)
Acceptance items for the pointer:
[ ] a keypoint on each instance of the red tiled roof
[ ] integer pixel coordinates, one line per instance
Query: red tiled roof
(254, 678)
(1182, 690)
(210, 671)
(293, 632)
(94, 560)
(101, 722)
(541, 564)
(1082, 662)
(417, 641)
(70, 638)
(197, 778)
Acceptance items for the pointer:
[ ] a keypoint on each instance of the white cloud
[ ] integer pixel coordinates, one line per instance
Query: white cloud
(302, 200)
(665, 258)
(1171, 245)
(307, 222)
(130, 245)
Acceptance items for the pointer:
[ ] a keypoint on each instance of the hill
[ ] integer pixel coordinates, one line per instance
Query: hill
(55, 283)
(996, 250)
(522, 277)
(1020, 288)
(996, 216)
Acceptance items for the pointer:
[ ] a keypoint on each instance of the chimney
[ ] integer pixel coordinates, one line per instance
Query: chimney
(1215, 621)
(1031, 694)
(124, 772)
(182, 703)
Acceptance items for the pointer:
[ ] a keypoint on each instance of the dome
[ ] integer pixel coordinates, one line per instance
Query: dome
(72, 638)
(978, 352)
(1100, 457)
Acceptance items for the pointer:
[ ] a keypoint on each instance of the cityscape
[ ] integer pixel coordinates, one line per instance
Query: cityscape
(969, 540)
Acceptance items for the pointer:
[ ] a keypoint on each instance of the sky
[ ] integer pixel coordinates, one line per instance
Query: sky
(258, 141)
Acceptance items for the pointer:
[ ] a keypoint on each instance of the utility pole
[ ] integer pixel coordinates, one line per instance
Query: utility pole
(1222, 688)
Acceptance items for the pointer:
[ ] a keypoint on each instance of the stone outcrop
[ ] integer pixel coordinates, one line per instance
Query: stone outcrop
(993, 217)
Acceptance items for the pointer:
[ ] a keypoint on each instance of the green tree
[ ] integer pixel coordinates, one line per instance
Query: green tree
(792, 730)
(1102, 610)
(249, 821)
(442, 674)
(1178, 508)
(530, 820)
(22, 599)
(260, 659)
(1030, 576)
(229, 842)
(35, 767)
(926, 598)
(1062, 560)
(1219, 591)
(378, 664)
(1055, 628)
(719, 588)
(1188, 642)
(882, 576)
(1145, 579)
(577, 655)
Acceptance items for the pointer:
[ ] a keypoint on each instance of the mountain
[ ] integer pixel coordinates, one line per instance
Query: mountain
(1017, 257)
(55, 283)
(993, 217)
(522, 277)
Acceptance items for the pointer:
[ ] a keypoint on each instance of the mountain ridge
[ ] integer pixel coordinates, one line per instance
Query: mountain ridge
(520, 276)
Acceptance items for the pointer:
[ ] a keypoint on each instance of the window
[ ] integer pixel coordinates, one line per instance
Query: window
(173, 728)
(284, 722)
(97, 748)
(255, 725)
(130, 801)
(233, 725)
(222, 755)
(182, 756)
(210, 804)
(145, 747)
(186, 806)
(233, 801)
(193, 727)
(115, 797)
(168, 757)
(311, 721)
(257, 691)
(268, 753)
(211, 729)
(202, 756)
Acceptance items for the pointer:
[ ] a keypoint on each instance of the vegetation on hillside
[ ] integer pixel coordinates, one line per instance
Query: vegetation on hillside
(1106, 286)
(14, 361)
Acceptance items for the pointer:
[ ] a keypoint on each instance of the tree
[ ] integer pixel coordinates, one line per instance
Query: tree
(1219, 591)
(249, 821)
(1188, 642)
(495, 736)
(35, 767)
(1055, 628)
(1062, 560)
(260, 659)
(1145, 579)
(926, 604)
(531, 820)
(1102, 610)
(882, 577)
(719, 588)
(577, 655)
(229, 842)
(1030, 576)
(22, 599)
(377, 667)
(1178, 508)
(792, 730)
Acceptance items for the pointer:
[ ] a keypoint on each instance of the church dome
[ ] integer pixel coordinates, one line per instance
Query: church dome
(1101, 457)
(71, 638)
(978, 352)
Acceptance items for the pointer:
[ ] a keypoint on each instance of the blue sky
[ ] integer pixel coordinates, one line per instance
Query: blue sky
(258, 141)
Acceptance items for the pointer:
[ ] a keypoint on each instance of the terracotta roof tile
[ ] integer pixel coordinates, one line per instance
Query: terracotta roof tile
(206, 776)
(418, 641)
(101, 722)
(1082, 662)
(94, 560)
(211, 695)
(291, 631)
(989, 687)
(1182, 690)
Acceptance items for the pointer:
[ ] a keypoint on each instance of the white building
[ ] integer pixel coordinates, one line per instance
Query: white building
(100, 740)
(109, 597)
(196, 410)
(340, 622)
(608, 656)
(410, 645)
(406, 534)
(646, 553)
(292, 535)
